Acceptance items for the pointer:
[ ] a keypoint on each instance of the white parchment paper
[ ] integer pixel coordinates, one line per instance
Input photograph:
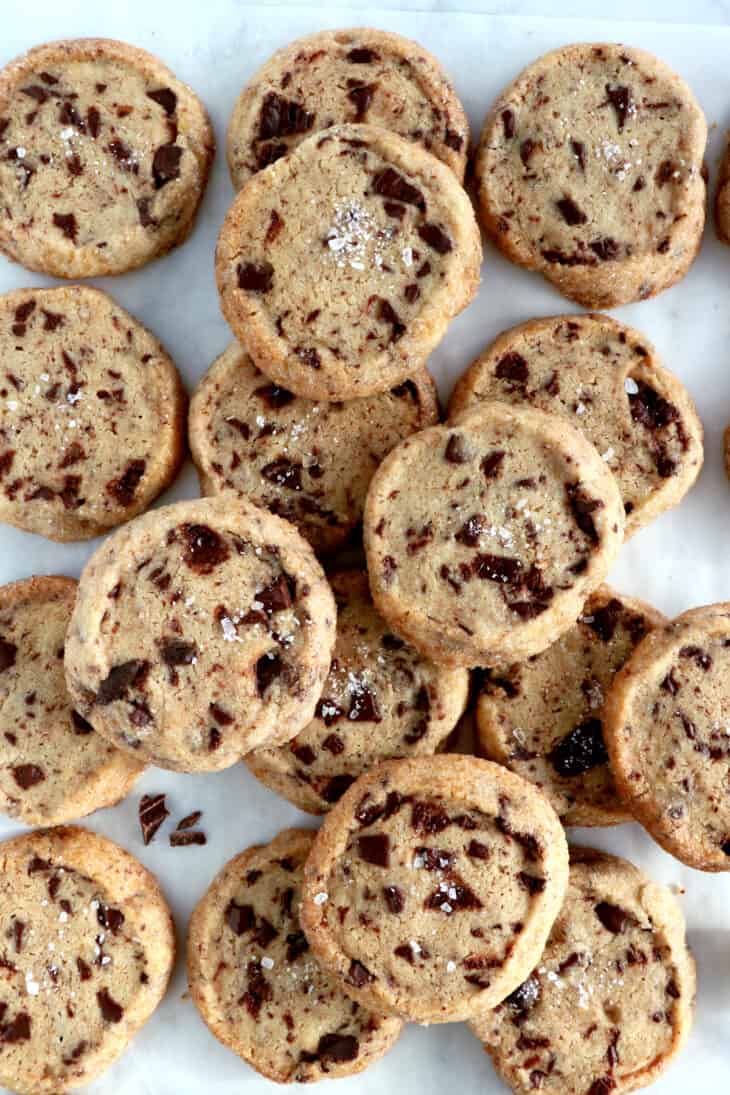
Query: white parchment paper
(678, 562)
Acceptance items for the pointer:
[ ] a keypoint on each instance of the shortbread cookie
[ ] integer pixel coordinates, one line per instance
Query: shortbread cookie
(484, 539)
(310, 462)
(667, 730)
(341, 266)
(104, 157)
(611, 1002)
(359, 75)
(589, 170)
(382, 699)
(722, 198)
(92, 413)
(542, 718)
(432, 886)
(257, 983)
(200, 631)
(88, 949)
(53, 766)
(607, 380)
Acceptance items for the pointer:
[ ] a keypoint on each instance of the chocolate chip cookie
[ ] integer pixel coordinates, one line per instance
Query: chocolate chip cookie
(92, 413)
(306, 460)
(667, 729)
(359, 75)
(88, 949)
(484, 538)
(341, 265)
(200, 632)
(589, 170)
(432, 885)
(611, 1002)
(53, 766)
(382, 699)
(608, 381)
(257, 983)
(543, 718)
(104, 157)
(722, 198)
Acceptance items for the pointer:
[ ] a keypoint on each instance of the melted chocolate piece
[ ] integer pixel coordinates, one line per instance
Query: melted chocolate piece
(111, 1011)
(613, 918)
(255, 277)
(203, 549)
(166, 164)
(620, 99)
(583, 507)
(580, 750)
(436, 238)
(391, 184)
(123, 489)
(8, 652)
(121, 678)
(28, 775)
(282, 118)
(374, 848)
(337, 1048)
(166, 98)
(570, 212)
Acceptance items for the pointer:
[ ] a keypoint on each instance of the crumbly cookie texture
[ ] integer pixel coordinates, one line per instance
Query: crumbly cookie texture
(201, 631)
(257, 983)
(611, 1002)
(589, 170)
(341, 265)
(607, 380)
(381, 699)
(432, 885)
(89, 947)
(484, 538)
(666, 729)
(104, 157)
(92, 413)
(309, 461)
(359, 75)
(543, 718)
(53, 766)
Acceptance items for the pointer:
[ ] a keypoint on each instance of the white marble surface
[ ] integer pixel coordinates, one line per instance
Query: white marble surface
(680, 561)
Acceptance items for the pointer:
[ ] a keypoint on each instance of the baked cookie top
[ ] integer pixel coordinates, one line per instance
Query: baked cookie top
(257, 983)
(381, 699)
(341, 265)
(202, 630)
(308, 461)
(53, 766)
(607, 380)
(485, 537)
(543, 717)
(589, 170)
(88, 949)
(432, 885)
(611, 1001)
(359, 75)
(667, 729)
(104, 156)
(91, 413)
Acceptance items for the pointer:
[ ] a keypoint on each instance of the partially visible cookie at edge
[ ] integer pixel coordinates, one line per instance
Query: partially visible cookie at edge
(256, 982)
(307, 461)
(333, 77)
(104, 158)
(607, 380)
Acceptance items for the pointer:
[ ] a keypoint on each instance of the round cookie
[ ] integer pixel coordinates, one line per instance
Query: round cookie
(589, 170)
(432, 885)
(308, 461)
(201, 631)
(257, 984)
(88, 950)
(611, 1002)
(484, 539)
(92, 413)
(104, 157)
(607, 380)
(53, 767)
(341, 265)
(667, 730)
(380, 700)
(543, 718)
(722, 198)
(333, 77)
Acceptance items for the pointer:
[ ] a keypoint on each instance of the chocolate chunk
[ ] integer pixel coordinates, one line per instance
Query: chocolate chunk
(532, 884)
(605, 248)
(337, 1048)
(28, 775)
(436, 238)
(7, 654)
(620, 99)
(84, 969)
(434, 859)
(583, 507)
(428, 818)
(374, 848)
(363, 704)
(604, 620)
(111, 1011)
(455, 451)
(93, 121)
(166, 164)
(471, 530)
(81, 726)
(296, 946)
(278, 595)
(282, 117)
(187, 837)
(361, 97)
(700, 657)
(498, 568)
(67, 223)
(120, 679)
(527, 149)
(579, 151)
(18, 1030)
(570, 212)
(269, 668)
(178, 652)
(394, 899)
(603, 1086)
(476, 850)
(525, 996)
(508, 124)
(388, 314)
(144, 206)
(452, 896)
(258, 991)
(283, 473)
(203, 549)
(124, 156)
(492, 463)
(512, 367)
(580, 750)
(188, 821)
(240, 918)
(166, 98)
(361, 55)
(269, 153)
(613, 918)
(152, 813)
(274, 396)
(391, 184)
(109, 918)
(651, 409)
(123, 489)
(36, 92)
(335, 788)
(358, 974)
(255, 277)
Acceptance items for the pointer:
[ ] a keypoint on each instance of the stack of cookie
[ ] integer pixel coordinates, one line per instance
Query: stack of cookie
(440, 886)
